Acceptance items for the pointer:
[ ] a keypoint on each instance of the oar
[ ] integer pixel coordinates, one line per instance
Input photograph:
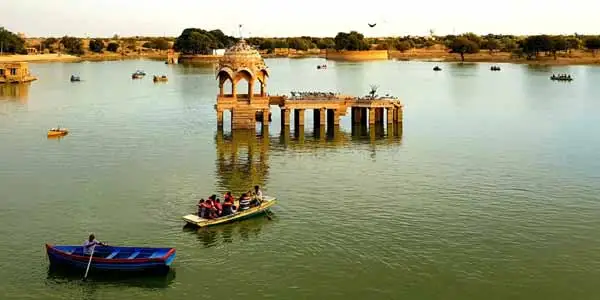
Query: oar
(89, 263)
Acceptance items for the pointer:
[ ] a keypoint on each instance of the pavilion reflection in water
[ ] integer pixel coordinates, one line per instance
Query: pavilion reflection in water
(15, 92)
(243, 155)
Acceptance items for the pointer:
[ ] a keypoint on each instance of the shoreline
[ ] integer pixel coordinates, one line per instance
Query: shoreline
(425, 55)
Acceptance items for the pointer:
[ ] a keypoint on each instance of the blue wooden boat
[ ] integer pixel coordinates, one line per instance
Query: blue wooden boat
(109, 258)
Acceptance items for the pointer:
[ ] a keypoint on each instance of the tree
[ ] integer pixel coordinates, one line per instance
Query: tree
(159, 44)
(281, 43)
(353, 41)
(592, 44)
(573, 43)
(559, 43)
(267, 44)
(492, 45)
(112, 47)
(403, 46)
(199, 41)
(96, 45)
(11, 43)
(462, 46)
(326, 43)
(509, 45)
(298, 44)
(533, 45)
(72, 45)
(50, 44)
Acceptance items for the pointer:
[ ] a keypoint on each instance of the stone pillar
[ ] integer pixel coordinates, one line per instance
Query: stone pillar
(234, 89)
(262, 89)
(221, 91)
(333, 117)
(379, 115)
(390, 115)
(285, 135)
(265, 113)
(398, 115)
(371, 115)
(316, 119)
(250, 89)
(219, 118)
(285, 117)
(299, 117)
(357, 113)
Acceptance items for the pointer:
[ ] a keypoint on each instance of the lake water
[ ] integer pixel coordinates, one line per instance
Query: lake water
(491, 192)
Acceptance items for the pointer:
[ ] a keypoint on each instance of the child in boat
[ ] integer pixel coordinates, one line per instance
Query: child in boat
(218, 207)
(228, 203)
(201, 208)
(244, 202)
(91, 243)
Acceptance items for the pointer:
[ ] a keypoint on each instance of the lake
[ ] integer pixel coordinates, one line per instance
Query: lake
(490, 191)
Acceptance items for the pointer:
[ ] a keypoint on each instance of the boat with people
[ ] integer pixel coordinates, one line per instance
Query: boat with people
(54, 132)
(75, 78)
(111, 258)
(138, 75)
(212, 212)
(494, 68)
(162, 78)
(561, 77)
(321, 67)
(437, 68)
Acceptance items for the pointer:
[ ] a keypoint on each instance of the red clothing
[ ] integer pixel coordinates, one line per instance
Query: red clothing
(218, 206)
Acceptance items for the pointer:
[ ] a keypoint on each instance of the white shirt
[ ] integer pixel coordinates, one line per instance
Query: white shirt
(87, 246)
(258, 194)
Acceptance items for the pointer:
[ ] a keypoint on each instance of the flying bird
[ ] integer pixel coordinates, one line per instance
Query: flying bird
(372, 25)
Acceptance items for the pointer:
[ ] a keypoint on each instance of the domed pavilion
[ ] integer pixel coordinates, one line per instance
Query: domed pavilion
(242, 63)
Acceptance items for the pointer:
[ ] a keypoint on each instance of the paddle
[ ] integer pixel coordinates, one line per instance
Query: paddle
(89, 263)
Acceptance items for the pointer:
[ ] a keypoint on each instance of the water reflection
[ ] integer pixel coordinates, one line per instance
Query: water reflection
(15, 92)
(61, 276)
(230, 233)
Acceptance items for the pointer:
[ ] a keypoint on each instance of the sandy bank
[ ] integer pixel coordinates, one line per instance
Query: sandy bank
(39, 58)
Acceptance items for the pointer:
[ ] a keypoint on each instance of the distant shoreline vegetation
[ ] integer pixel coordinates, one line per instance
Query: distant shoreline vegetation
(196, 41)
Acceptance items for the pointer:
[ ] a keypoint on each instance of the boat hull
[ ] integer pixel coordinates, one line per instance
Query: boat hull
(267, 203)
(64, 260)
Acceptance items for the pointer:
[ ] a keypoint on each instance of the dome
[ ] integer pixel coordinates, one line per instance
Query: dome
(242, 56)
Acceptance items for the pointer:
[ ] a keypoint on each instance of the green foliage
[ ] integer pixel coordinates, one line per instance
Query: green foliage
(350, 41)
(299, 43)
(403, 46)
(509, 44)
(463, 45)
(199, 41)
(96, 45)
(50, 44)
(112, 47)
(593, 44)
(326, 43)
(491, 44)
(533, 45)
(559, 43)
(72, 45)
(10, 42)
(573, 43)
(159, 44)
(281, 43)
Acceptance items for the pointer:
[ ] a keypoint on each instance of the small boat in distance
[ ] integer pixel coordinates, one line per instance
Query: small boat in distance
(437, 68)
(58, 132)
(75, 78)
(263, 208)
(494, 68)
(321, 67)
(162, 78)
(561, 77)
(109, 258)
(139, 72)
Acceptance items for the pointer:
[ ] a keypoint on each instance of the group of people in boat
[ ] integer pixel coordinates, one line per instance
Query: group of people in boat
(322, 67)
(566, 77)
(213, 208)
(494, 68)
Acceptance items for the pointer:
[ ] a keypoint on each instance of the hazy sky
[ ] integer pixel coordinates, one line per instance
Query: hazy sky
(295, 18)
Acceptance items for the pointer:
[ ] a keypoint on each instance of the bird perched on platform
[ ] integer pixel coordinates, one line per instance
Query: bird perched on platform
(372, 25)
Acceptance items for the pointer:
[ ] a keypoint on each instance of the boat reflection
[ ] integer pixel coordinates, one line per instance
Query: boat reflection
(15, 92)
(58, 275)
(230, 233)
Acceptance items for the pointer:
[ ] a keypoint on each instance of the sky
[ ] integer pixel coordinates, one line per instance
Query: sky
(270, 18)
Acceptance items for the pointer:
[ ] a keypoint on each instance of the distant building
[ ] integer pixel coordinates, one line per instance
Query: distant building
(219, 52)
(15, 73)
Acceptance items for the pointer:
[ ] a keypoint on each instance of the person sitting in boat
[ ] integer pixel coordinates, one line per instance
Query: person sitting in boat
(91, 243)
(201, 208)
(218, 207)
(211, 210)
(258, 194)
(244, 202)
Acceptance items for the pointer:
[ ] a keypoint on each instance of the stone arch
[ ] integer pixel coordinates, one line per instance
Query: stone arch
(245, 74)
(262, 78)
(224, 75)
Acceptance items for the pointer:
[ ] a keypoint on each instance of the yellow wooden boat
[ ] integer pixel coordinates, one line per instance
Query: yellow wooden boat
(267, 202)
(57, 132)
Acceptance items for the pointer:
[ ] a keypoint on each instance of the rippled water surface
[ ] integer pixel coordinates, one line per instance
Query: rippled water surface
(490, 191)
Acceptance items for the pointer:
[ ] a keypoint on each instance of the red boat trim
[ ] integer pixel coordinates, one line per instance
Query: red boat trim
(50, 248)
